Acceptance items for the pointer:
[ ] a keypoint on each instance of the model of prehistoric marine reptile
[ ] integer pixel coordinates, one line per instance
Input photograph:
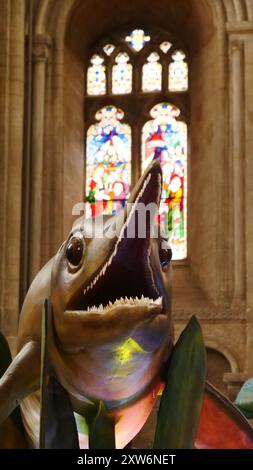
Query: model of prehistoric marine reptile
(110, 334)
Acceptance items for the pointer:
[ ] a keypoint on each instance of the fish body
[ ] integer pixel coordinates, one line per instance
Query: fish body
(111, 332)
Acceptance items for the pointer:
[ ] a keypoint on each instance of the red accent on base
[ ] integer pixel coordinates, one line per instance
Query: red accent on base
(221, 424)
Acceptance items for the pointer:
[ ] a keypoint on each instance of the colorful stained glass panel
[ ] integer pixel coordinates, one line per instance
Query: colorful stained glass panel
(137, 39)
(178, 72)
(96, 78)
(152, 73)
(165, 139)
(108, 169)
(122, 75)
(165, 46)
(108, 49)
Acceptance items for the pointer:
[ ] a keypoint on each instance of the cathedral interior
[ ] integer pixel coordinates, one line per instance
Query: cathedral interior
(175, 77)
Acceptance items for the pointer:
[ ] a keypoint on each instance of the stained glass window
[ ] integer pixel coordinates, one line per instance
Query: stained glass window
(165, 139)
(96, 80)
(122, 75)
(108, 49)
(165, 46)
(137, 39)
(131, 69)
(178, 72)
(152, 73)
(108, 162)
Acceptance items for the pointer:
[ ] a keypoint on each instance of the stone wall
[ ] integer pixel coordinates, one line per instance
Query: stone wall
(74, 136)
(12, 14)
(206, 168)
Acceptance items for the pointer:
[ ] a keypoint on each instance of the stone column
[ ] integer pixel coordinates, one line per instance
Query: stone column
(41, 46)
(12, 23)
(248, 53)
(238, 161)
(240, 36)
(4, 109)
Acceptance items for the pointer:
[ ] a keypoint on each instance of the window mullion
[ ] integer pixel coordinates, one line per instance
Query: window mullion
(165, 75)
(109, 78)
(136, 151)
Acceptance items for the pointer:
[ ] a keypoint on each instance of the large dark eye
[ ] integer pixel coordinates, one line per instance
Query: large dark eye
(74, 251)
(165, 253)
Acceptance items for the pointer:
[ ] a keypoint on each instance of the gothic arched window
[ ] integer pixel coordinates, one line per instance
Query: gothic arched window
(165, 139)
(152, 73)
(137, 107)
(108, 162)
(121, 74)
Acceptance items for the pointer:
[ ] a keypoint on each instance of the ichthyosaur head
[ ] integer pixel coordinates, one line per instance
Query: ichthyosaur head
(113, 272)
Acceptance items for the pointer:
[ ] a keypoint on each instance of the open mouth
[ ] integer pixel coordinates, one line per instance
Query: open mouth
(127, 278)
(124, 283)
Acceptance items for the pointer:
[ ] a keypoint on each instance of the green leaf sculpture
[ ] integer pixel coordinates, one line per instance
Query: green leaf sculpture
(57, 423)
(181, 401)
(5, 361)
(244, 399)
(102, 430)
(13, 425)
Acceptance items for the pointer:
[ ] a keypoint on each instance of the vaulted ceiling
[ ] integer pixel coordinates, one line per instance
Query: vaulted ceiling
(91, 20)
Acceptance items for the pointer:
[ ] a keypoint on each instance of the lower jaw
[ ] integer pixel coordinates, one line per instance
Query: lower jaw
(131, 303)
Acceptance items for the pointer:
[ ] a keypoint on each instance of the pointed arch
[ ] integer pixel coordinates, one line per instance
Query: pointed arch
(164, 138)
(108, 162)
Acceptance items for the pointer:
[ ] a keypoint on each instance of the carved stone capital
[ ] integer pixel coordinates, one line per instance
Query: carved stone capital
(41, 46)
(236, 45)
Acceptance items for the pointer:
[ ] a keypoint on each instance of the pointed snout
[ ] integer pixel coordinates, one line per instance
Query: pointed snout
(149, 187)
(143, 205)
(140, 226)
